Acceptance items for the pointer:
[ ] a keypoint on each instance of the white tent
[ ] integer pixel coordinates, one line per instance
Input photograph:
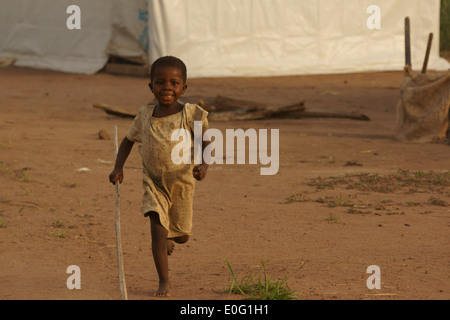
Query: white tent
(221, 37)
(35, 33)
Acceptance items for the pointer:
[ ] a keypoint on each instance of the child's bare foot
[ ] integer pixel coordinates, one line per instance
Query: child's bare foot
(163, 291)
(170, 247)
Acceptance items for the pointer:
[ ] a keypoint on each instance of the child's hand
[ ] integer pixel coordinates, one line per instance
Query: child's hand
(117, 174)
(199, 172)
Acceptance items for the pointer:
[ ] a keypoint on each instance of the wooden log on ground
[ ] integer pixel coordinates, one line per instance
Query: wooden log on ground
(248, 110)
(331, 114)
(115, 111)
(285, 114)
(222, 103)
(228, 109)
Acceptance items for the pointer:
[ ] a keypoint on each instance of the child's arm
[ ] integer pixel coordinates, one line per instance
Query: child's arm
(122, 155)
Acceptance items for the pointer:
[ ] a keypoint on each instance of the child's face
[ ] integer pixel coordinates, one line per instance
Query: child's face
(167, 85)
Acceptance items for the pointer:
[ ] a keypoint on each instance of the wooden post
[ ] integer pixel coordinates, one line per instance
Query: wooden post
(407, 42)
(427, 54)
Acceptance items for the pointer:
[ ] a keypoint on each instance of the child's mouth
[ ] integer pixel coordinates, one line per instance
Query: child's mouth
(167, 96)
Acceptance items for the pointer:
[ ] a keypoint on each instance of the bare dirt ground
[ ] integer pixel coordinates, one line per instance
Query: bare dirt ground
(347, 196)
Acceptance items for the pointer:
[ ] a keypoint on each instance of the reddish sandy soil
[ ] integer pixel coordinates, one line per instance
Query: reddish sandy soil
(378, 201)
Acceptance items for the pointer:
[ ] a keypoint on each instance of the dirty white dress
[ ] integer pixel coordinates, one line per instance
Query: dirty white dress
(168, 187)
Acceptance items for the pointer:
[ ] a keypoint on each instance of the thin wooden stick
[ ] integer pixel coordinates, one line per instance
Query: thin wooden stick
(427, 54)
(123, 287)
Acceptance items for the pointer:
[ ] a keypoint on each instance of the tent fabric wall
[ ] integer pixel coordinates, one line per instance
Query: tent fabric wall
(129, 38)
(35, 33)
(288, 37)
(221, 37)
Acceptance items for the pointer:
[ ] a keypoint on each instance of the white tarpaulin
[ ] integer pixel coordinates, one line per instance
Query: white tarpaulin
(221, 37)
(129, 37)
(287, 37)
(35, 33)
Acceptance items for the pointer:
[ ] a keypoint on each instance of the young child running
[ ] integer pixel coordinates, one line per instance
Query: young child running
(168, 187)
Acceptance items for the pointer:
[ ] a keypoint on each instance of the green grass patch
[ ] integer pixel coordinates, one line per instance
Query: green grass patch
(57, 224)
(254, 287)
(58, 235)
(438, 202)
(332, 218)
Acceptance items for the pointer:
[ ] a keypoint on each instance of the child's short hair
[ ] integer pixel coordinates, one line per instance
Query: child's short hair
(169, 61)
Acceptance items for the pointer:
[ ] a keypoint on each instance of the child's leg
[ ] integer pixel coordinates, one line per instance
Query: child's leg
(159, 250)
